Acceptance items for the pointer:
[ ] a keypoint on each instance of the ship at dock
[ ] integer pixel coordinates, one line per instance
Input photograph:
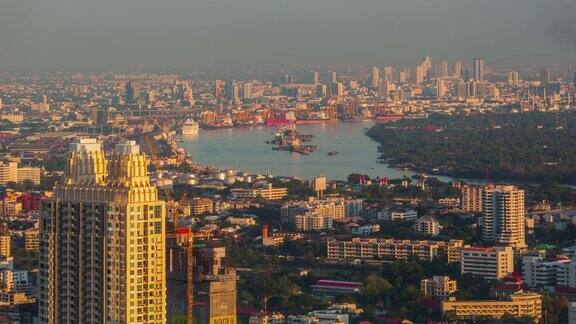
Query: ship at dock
(190, 128)
(289, 139)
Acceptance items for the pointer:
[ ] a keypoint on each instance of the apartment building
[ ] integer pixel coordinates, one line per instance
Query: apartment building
(546, 273)
(102, 241)
(503, 216)
(427, 225)
(373, 248)
(312, 222)
(440, 287)
(490, 263)
(517, 305)
(5, 244)
(471, 199)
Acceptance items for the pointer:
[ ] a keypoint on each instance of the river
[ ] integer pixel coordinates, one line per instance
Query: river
(246, 149)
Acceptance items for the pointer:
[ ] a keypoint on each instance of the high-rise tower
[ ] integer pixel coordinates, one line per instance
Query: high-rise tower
(479, 69)
(102, 252)
(503, 216)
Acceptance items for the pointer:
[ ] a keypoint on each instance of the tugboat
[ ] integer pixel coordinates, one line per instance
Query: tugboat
(190, 128)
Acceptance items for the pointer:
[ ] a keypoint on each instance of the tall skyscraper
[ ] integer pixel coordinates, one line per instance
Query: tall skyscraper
(247, 90)
(458, 69)
(102, 241)
(503, 216)
(232, 91)
(479, 69)
(444, 71)
(419, 74)
(513, 78)
(218, 87)
(337, 89)
(402, 76)
(314, 77)
(321, 90)
(388, 74)
(544, 77)
(384, 89)
(440, 88)
(132, 92)
(375, 79)
(333, 77)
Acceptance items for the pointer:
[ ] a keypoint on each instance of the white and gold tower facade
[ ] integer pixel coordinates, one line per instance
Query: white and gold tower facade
(102, 241)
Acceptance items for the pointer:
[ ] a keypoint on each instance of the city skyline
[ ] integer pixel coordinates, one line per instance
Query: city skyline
(177, 35)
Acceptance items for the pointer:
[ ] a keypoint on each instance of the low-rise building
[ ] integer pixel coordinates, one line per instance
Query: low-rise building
(242, 221)
(490, 263)
(427, 225)
(201, 206)
(5, 245)
(267, 318)
(333, 288)
(31, 240)
(373, 248)
(517, 305)
(440, 287)
(547, 273)
(312, 222)
(399, 215)
(268, 193)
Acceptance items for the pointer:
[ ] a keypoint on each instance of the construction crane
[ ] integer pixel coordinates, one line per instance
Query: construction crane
(188, 244)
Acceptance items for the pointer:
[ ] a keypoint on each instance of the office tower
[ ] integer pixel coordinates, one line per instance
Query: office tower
(444, 72)
(184, 92)
(218, 87)
(402, 76)
(102, 241)
(426, 64)
(419, 74)
(232, 91)
(321, 91)
(384, 89)
(150, 97)
(388, 74)
(479, 69)
(503, 216)
(472, 88)
(338, 89)
(333, 77)
(440, 88)
(132, 92)
(375, 80)
(314, 77)
(214, 287)
(247, 90)
(458, 69)
(466, 74)
(462, 90)
(513, 78)
(544, 77)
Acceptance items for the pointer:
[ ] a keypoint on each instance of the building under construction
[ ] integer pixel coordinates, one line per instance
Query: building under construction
(213, 285)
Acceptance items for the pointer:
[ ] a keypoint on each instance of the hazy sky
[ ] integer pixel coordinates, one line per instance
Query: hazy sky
(99, 34)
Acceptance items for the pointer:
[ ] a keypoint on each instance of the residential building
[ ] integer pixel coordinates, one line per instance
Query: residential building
(490, 263)
(373, 248)
(503, 216)
(312, 222)
(472, 199)
(333, 288)
(201, 206)
(478, 69)
(5, 244)
(241, 221)
(427, 225)
(332, 208)
(399, 215)
(517, 305)
(547, 273)
(102, 241)
(440, 287)
(10, 172)
(31, 240)
(267, 318)
(353, 207)
(268, 193)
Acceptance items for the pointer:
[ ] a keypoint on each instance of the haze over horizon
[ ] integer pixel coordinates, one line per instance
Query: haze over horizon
(106, 34)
